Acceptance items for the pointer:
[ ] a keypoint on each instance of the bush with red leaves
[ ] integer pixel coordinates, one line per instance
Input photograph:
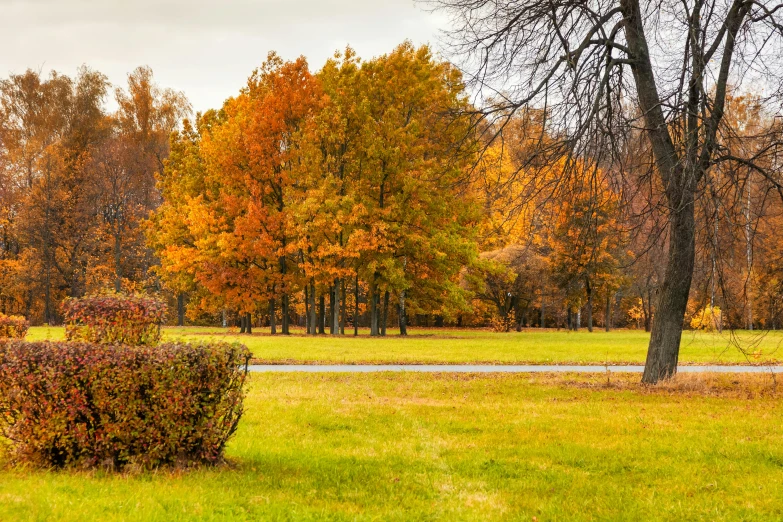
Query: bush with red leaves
(70, 404)
(114, 319)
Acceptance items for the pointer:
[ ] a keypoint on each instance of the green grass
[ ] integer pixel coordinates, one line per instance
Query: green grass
(472, 346)
(447, 447)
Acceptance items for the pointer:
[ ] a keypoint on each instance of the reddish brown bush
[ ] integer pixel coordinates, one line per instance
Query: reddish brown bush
(114, 319)
(13, 326)
(88, 405)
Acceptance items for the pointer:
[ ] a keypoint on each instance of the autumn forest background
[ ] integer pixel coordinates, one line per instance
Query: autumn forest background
(363, 193)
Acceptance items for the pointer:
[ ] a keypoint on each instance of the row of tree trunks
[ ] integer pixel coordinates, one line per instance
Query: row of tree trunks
(334, 314)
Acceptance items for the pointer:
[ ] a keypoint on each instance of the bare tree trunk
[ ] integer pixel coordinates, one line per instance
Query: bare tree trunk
(664, 349)
(589, 305)
(313, 314)
(330, 319)
(336, 307)
(284, 313)
(385, 313)
(608, 313)
(249, 323)
(321, 314)
(307, 308)
(356, 307)
(272, 318)
(578, 322)
(343, 306)
(749, 258)
(401, 312)
(374, 306)
(284, 299)
(181, 310)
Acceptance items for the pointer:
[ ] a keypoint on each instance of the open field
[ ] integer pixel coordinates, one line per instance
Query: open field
(483, 346)
(445, 447)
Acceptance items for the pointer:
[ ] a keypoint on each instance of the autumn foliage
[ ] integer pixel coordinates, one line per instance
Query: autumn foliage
(114, 319)
(13, 327)
(86, 405)
(364, 193)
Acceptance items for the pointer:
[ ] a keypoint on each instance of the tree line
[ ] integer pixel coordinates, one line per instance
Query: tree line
(368, 193)
(77, 182)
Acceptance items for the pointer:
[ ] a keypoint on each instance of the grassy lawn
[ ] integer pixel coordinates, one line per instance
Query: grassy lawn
(466, 346)
(445, 447)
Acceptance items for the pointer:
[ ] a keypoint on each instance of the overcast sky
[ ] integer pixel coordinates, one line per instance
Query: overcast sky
(205, 48)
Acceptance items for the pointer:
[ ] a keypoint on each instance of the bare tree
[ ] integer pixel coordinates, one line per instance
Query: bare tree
(603, 69)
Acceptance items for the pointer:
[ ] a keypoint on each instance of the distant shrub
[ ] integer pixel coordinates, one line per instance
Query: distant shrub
(114, 319)
(89, 405)
(13, 326)
(709, 318)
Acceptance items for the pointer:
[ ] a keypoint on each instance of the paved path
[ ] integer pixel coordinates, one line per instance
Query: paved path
(487, 368)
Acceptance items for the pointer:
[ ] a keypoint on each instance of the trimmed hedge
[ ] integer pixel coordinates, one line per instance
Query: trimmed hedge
(90, 405)
(13, 326)
(114, 319)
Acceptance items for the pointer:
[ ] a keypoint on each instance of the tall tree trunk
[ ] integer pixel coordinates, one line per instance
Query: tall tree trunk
(330, 319)
(181, 309)
(749, 260)
(321, 313)
(679, 177)
(543, 311)
(307, 308)
(313, 314)
(373, 307)
(589, 305)
(664, 349)
(608, 314)
(272, 318)
(356, 306)
(385, 313)
(401, 312)
(284, 298)
(343, 306)
(242, 324)
(249, 323)
(336, 307)
(284, 310)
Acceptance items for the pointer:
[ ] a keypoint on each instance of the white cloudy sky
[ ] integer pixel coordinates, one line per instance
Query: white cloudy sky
(206, 48)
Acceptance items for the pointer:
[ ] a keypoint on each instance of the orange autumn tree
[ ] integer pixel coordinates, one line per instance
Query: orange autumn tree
(515, 184)
(169, 233)
(413, 183)
(327, 206)
(587, 240)
(242, 222)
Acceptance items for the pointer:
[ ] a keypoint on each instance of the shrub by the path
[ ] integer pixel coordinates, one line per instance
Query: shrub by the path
(13, 326)
(114, 319)
(88, 405)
